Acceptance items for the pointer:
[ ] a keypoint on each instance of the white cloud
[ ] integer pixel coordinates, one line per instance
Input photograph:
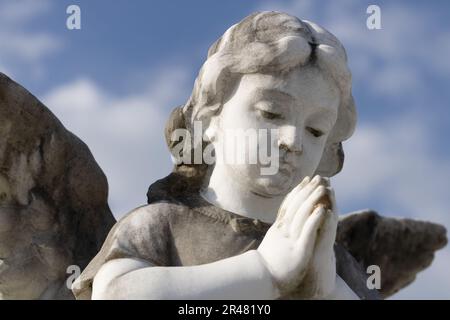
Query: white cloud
(393, 161)
(397, 80)
(125, 134)
(22, 11)
(29, 47)
(393, 164)
(22, 48)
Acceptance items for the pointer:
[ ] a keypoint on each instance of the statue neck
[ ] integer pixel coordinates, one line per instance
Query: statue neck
(226, 193)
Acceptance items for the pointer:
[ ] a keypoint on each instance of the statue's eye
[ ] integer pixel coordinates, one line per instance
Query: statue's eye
(269, 115)
(315, 132)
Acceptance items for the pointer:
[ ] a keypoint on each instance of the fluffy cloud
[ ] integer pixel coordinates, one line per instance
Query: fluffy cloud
(125, 134)
(393, 161)
(21, 47)
(29, 47)
(22, 11)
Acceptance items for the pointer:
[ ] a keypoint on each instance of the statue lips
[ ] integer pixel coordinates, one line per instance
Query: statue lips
(286, 167)
(285, 172)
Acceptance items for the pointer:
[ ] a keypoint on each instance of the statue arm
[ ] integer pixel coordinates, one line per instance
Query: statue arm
(292, 248)
(240, 277)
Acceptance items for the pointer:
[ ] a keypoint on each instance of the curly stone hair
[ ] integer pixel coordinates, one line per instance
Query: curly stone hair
(264, 42)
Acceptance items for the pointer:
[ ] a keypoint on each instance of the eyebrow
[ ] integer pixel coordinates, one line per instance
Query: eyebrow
(273, 93)
(323, 109)
(286, 97)
(326, 114)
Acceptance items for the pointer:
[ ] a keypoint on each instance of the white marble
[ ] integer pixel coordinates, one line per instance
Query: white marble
(293, 79)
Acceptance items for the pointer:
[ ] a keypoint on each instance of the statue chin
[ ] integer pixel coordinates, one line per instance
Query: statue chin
(273, 186)
(250, 177)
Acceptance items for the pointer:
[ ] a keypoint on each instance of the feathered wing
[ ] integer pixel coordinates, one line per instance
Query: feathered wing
(400, 247)
(53, 199)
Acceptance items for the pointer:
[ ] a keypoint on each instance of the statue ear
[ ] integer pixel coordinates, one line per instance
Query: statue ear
(332, 160)
(176, 121)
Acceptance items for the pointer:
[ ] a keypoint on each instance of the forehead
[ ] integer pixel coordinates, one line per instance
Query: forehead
(307, 87)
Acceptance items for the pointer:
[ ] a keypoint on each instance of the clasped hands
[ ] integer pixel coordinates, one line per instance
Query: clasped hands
(298, 249)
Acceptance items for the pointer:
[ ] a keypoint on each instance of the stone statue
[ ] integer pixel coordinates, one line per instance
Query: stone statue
(212, 231)
(217, 229)
(53, 199)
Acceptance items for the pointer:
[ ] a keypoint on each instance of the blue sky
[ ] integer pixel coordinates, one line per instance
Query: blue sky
(114, 82)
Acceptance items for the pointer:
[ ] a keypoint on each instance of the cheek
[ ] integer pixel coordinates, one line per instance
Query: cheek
(244, 121)
(245, 173)
(244, 136)
(241, 115)
(312, 153)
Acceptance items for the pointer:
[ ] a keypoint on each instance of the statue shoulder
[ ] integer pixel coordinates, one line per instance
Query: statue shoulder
(150, 216)
(144, 233)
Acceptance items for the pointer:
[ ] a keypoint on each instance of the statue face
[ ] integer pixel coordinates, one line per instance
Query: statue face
(301, 104)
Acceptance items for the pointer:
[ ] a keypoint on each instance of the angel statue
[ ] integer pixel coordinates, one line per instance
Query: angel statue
(213, 228)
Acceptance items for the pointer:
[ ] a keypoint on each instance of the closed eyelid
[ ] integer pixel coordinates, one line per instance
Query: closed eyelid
(323, 120)
(267, 106)
(270, 108)
(270, 115)
(315, 132)
(323, 125)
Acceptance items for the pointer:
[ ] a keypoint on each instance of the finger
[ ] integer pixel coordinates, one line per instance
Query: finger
(307, 239)
(301, 196)
(306, 209)
(327, 234)
(290, 196)
(332, 196)
(306, 180)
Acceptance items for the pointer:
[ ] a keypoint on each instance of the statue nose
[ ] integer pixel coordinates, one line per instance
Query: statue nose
(290, 140)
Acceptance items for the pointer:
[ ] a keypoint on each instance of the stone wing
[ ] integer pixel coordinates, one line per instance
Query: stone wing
(400, 247)
(53, 199)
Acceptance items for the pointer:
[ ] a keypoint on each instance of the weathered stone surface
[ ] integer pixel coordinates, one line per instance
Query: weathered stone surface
(53, 199)
(400, 247)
